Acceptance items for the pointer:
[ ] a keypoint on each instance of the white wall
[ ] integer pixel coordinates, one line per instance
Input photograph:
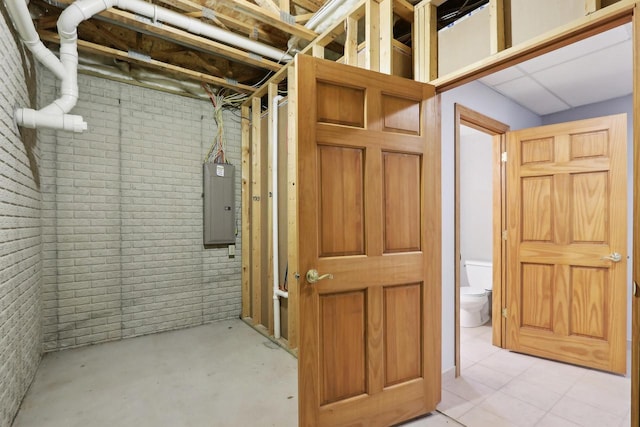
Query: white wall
(480, 98)
(476, 198)
(122, 217)
(20, 229)
(614, 106)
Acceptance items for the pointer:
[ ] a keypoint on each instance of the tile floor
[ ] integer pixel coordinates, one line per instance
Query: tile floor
(227, 374)
(501, 388)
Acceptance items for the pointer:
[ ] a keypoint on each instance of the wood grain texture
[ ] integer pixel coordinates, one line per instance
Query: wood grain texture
(590, 220)
(343, 358)
(256, 212)
(401, 115)
(341, 188)
(245, 113)
(340, 105)
(590, 144)
(536, 208)
(588, 217)
(537, 151)
(635, 321)
(292, 209)
(589, 297)
(537, 296)
(401, 175)
(367, 274)
(402, 333)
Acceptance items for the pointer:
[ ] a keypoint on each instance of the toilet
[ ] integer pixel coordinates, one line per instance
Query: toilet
(474, 299)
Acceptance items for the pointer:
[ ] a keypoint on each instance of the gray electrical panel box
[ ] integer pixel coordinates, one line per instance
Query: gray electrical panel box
(219, 204)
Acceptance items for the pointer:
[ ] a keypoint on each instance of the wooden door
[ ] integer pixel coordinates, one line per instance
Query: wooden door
(369, 215)
(567, 205)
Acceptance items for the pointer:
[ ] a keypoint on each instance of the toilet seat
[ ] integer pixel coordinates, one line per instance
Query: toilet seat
(472, 292)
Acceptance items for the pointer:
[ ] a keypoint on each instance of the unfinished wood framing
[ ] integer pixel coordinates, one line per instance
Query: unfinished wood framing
(496, 26)
(256, 212)
(425, 41)
(246, 212)
(257, 266)
(272, 93)
(425, 69)
(292, 208)
(635, 274)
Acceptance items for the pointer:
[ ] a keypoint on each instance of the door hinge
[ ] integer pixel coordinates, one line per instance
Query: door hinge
(503, 157)
(504, 234)
(504, 312)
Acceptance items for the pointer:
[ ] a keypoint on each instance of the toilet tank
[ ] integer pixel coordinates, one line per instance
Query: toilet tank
(480, 274)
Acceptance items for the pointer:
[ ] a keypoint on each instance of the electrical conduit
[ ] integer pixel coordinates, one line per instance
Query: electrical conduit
(54, 116)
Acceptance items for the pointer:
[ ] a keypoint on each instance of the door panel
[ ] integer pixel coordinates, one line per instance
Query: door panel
(567, 192)
(369, 215)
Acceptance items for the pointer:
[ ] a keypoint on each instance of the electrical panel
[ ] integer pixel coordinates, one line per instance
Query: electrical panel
(219, 204)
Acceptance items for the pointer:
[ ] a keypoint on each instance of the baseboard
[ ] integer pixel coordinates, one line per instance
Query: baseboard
(449, 374)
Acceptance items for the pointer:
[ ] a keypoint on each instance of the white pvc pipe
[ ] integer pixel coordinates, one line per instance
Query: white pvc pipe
(277, 293)
(24, 25)
(54, 116)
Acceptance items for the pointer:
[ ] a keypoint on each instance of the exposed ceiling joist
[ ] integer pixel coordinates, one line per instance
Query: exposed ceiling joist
(197, 10)
(181, 72)
(267, 17)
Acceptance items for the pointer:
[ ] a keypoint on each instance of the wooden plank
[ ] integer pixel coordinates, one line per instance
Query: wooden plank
(285, 6)
(496, 26)
(191, 6)
(351, 42)
(88, 47)
(386, 37)
(425, 42)
(372, 36)
(246, 212)
(292, 207)
(256, 214)
(309, 5)
(635, 274)
(591, 6)
(269, 18)
(304, 18)
(403, 9)
(604, 19)
(184, 38)
(317, 51)
(272, 93)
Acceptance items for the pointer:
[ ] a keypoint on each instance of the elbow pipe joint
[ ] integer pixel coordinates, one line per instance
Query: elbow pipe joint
(32, 119)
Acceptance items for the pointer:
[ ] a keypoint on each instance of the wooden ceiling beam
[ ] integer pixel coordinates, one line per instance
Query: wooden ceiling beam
(267, 17)
(182, 72)
(186, 39)
(195, 10)
(403, 9)
(94, 28)
(309, 5)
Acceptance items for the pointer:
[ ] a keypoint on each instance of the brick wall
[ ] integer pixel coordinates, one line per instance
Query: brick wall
(20, 230)
(122, 209)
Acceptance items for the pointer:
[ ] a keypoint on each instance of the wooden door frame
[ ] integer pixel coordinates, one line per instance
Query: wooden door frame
(615, 16)
(464, 116)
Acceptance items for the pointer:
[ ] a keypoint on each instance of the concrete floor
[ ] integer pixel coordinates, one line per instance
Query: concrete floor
(221, 374)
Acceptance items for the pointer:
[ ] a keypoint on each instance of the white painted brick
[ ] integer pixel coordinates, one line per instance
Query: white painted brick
(126, 198)
(21, 300)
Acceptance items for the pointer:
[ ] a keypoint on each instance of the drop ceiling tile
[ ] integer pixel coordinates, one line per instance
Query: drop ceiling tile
(595, 77)
(578, 49)
(531, 95)
(502, 76)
